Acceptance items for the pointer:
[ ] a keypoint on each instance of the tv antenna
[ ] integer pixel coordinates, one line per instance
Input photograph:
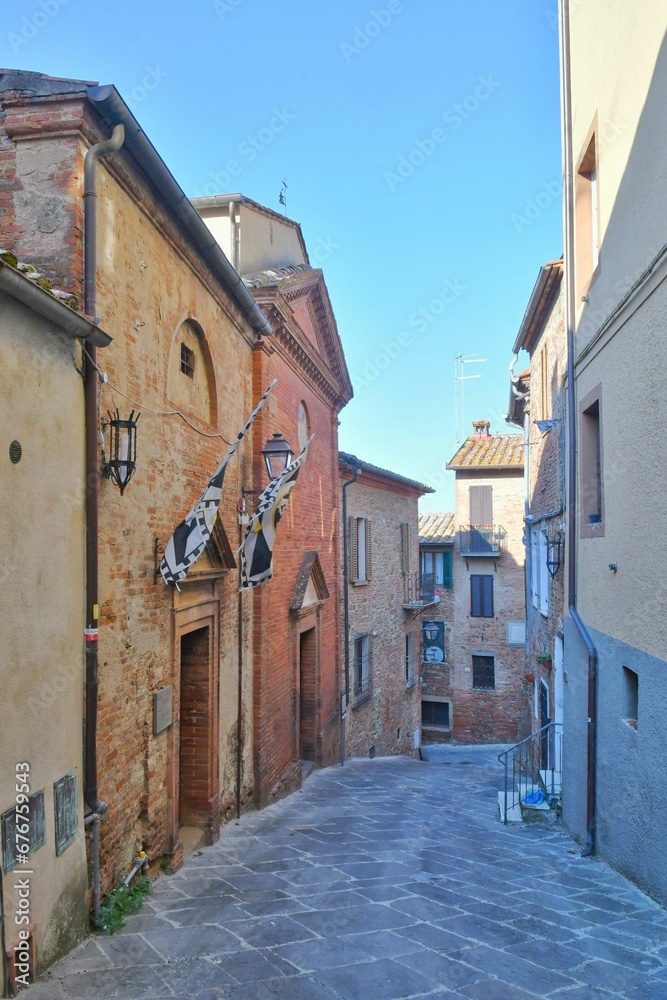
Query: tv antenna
(459, 376)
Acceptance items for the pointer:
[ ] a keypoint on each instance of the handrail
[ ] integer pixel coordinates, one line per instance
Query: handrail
(532, 758)
(527, 739)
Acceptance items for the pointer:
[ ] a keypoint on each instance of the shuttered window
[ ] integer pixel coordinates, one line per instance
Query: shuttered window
(360, 549)
(406, 547)
(545, 407)
(481, 506)
(481, 596)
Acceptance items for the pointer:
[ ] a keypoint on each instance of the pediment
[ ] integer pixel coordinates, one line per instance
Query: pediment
(216, 559)
(310, 587)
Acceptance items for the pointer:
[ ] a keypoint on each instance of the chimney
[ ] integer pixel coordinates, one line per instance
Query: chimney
(481, 429)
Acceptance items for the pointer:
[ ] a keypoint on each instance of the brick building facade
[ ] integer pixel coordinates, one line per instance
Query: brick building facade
(193, 352)
(296, 642)
(487, 682)
(436, 555)
(383, 714)
(537, 404)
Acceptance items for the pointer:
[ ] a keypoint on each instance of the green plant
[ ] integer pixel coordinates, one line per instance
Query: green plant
(121, 901)
(543, 657)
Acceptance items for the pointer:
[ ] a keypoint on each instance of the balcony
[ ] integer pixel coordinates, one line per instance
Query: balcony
(485, 540)
(420, 591)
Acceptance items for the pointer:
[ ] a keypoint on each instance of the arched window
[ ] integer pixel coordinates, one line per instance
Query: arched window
(191, 380)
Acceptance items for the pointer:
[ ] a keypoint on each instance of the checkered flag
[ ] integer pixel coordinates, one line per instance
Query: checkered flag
(190, 537)
(257, 549)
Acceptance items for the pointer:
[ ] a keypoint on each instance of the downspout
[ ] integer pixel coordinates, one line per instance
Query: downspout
(92, 464)
(568, 200)
(346, 613)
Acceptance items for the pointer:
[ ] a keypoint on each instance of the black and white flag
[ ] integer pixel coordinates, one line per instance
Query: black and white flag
(256, 551)
(190, 537)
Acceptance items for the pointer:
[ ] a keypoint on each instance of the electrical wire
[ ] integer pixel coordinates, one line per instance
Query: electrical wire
(150, 409)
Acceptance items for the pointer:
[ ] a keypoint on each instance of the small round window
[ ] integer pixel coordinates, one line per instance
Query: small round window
(303, 427)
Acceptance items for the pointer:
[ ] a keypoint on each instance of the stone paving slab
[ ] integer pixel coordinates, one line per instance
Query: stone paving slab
(381, 880)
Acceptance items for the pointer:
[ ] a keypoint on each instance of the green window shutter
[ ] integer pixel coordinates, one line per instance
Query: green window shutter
(447, 574)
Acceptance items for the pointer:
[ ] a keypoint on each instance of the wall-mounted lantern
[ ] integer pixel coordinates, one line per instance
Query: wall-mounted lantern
(277, 455)
(430, 631)
(121, 464)
(555, 547)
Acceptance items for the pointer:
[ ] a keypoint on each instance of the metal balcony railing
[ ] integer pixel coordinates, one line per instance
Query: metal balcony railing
(482, 540)
(420, 590)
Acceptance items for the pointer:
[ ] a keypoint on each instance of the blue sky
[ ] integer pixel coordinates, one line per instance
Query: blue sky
(421, 146)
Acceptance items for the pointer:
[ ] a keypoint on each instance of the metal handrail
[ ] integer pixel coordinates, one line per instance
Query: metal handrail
(541, 751)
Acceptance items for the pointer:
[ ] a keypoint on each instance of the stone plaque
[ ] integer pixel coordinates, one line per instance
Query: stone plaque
(162, 710)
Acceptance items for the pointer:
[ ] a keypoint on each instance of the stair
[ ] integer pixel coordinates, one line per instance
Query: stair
(525, 775)
(514, 814)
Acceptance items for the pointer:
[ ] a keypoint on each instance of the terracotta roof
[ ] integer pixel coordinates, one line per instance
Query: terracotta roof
(489, 451)
(436, 529)
(541, 300)
(344, 458)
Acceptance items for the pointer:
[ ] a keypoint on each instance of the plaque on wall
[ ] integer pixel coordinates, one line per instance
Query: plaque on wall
(162, 710)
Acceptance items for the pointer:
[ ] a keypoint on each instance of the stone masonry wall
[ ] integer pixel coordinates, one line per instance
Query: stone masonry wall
(389, 718)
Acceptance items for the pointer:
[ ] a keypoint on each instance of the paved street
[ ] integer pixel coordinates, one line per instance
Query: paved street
(383, 879)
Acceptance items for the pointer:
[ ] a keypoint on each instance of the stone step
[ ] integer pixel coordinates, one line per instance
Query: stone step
(552, 782)
(513, 811)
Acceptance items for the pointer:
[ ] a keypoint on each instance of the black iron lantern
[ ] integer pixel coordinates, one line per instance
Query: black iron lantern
(277, 455)
(430, 631)
(554, 553)
(122, 462)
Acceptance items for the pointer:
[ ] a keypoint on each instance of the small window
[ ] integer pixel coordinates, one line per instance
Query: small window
(545, 407)
(409, 660)
(587, 235)
(630, 697)
(66, 808)
(406, 547)
(591, 467)
(544, 574)
(187, 361)
(25, 830)
(481, 595)
(362, 673)
(435, 714)
(483, 672)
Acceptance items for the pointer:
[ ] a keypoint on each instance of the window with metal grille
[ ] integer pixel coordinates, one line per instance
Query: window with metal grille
(483, 672)
(24, 829)
(187, 361)
(435, 713)
(481, 595)
(66, 809)
(362, 674)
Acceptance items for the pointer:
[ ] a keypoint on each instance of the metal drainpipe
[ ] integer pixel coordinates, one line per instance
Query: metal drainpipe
(568, 199)
(92, 463)
(346, 613)
(94, 818)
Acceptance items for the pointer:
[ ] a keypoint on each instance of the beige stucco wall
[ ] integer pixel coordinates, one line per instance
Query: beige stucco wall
(617, 55)
(41, 608)
(264, 241)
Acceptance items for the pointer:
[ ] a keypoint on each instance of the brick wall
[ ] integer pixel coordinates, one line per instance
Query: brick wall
(435, 677)
(500, 715)
(546, 492)
(388, 719)
(149, 282)
(310, 523)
